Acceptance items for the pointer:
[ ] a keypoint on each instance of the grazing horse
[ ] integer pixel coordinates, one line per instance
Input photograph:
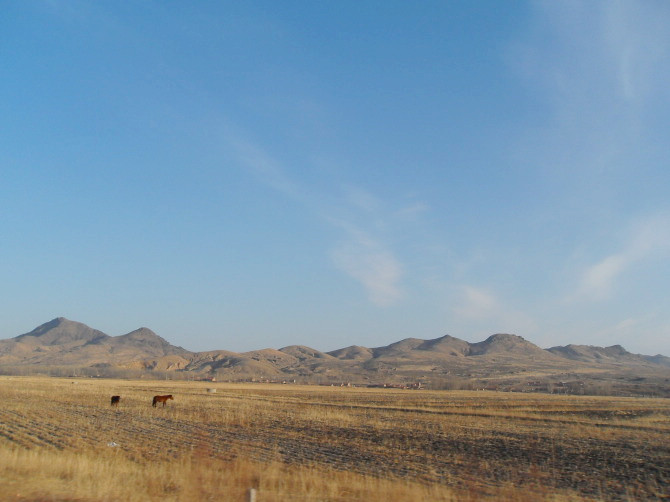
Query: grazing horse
(115, 400)
(161, 399)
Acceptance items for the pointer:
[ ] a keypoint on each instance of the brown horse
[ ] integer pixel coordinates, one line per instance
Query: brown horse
(161, 399)
(115, 400)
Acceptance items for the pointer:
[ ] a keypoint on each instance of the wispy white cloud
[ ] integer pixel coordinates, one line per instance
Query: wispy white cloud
(361, 199)
(483, 307)
(477, 303)
(626, 324)
(646, 330)
(598, 280)
(412, 211)
(369, 224)
(648, 237)
(601, 68)
(615, 47)
(358, 214)
(637, 38)
(264, 167)
(374, 266)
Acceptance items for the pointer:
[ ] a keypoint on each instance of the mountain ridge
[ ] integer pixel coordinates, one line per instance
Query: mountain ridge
(64, 343)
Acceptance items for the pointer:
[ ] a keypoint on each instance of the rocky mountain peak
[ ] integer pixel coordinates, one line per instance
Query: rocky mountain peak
(144, 338)
(503, 342)
(61, 331)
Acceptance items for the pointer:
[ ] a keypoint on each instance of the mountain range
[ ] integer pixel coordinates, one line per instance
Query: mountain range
(501, 359)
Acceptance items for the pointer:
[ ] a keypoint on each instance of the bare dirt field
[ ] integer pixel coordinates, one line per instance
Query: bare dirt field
(61, 440)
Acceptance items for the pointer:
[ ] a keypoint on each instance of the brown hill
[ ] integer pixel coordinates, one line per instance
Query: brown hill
(164, 363)
(658, 359)
(446, 345)
(221, 362)
(144, 339)
(506, 344)
(302, 353)
(354, 352)
(592, 354)
(403, 348)
(62, 342)
(61, 331)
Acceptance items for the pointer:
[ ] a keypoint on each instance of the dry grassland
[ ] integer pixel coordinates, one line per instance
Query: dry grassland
(61, 440)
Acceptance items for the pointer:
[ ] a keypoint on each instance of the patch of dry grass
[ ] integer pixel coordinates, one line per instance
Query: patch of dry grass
(39, 474)
(324, 443)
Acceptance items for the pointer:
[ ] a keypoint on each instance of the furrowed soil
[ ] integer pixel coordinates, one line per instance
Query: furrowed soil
(456, 445)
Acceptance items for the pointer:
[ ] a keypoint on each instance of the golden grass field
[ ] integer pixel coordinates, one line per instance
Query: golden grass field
(308, 443)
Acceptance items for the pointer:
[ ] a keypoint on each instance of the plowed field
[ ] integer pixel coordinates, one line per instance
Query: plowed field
(472, 442)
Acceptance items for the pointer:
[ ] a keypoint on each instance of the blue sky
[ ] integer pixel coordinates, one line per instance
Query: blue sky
(241, 175)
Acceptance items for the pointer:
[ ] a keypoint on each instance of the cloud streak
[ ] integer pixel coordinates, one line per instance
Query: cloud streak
(649, 237)
(481, 306)
(265, 168)
(361, 254)
(375, 267)
(600, 71)
(597, 66)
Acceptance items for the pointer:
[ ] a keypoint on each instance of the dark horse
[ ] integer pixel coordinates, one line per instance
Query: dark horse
(161, 399)
(115, 400)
